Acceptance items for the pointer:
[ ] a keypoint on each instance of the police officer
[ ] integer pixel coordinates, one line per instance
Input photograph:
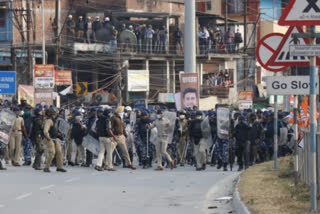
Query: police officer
(26, 142)
(255, 137)
(53, 147)
(143, 138)
(162, 124)
(89, 123)
(214, 134)
(37, 138)
(119, 135)
(78, 131)
(182, 137)
(196, 138)
(16, 138)
(241, 135)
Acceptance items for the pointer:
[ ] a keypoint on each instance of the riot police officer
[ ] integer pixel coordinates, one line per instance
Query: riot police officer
(37, 137)
(53, 147)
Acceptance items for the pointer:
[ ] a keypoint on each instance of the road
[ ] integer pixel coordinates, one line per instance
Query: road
(86, 191)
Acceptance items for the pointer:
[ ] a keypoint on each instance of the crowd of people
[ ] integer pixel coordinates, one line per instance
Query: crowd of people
(150, 39)
(45, 136)
(215, 41)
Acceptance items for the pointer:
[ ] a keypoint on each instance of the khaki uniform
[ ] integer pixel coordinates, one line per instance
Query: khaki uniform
(200, 153)
(162, 140)
(16, 140)
(182, 150)
(53, 148)
(106, 144)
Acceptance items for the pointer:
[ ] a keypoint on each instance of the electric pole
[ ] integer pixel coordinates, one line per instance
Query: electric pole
(58, 30)
(245, 60)
(190, 36)
(30, 60)
(225, 16)
(43, 35)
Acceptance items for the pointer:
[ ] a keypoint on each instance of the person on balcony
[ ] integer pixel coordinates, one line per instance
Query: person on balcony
(203, 40)
(163, 39)
(217, 38)
(149, 37)
(178, 40)
(156, 41)
(230, 41)
(238, 40)
(70, 29)
(88, 28)
(139, 39)
(80, 29)
(96, 27)
(113, 41)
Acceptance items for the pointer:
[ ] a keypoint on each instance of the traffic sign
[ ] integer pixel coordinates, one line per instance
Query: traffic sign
(305, 50)
(82, 88)
(282, 56)
(266, 49)
(8, 82)
(289, 85)
(301, 12)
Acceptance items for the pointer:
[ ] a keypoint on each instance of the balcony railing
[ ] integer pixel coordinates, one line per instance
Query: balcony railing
(219, 91)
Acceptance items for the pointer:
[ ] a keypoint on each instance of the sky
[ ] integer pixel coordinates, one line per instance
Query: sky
(270, 9)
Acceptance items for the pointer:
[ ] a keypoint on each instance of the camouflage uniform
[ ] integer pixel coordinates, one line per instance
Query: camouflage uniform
(222, 151)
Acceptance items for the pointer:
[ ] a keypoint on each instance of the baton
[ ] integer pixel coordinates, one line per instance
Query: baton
(147, 143)
(117, 153)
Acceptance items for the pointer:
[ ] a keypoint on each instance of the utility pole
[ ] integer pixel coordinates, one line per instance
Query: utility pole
(58, 29)
(225, 16)
(43, 35)
(30, 60)
(245, 60)
(190, 36)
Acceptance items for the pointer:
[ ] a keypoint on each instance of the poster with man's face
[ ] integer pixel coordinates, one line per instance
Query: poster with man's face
(189, 85)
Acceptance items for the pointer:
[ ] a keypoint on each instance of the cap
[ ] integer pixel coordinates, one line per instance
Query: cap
(106, 112)
(128, 108)
(198, 113)
(144, 113)
(16, 108)
(107, 19)
(159, 111)
(70, 16)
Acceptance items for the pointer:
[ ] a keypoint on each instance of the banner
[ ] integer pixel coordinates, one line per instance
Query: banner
(44, 76)
(223, 123)
(138, 80)
(45, 97)
(63, 77)
(189, 85)
(26, 92)
(245, 99)
(7, 119)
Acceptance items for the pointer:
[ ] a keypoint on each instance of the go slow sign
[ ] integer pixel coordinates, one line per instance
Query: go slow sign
(290, 85)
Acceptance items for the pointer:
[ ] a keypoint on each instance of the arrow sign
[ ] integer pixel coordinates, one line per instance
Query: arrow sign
(82, 88)
(301, 12)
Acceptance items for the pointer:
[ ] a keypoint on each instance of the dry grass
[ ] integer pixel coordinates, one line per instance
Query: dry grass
(265, 191)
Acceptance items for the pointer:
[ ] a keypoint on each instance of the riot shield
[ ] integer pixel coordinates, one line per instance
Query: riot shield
(91, 144)
(133, 119)
(205, 127)
(62, 126)
(171, 116)
(7, 119)
(223, 123)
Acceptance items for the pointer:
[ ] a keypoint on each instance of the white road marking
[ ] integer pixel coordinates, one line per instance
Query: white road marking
(46, 187)
(72, 179)
(24, 196)
(95, 173)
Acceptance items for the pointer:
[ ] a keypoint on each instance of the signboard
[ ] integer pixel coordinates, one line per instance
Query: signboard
(279, 100)
(43, 96)
(265, 50)
(305, 50)
(282, 56)
(44, 76)
(290, 85)
(82, 88)
(189, 85)
(7, 82)
(138, 80)
(301, 12)
(245, 100)
(63, 77)
(139, 104)
(166, 98)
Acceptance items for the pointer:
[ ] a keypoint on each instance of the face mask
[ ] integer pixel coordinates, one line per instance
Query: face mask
(158, 116)
(182, 117)
(78, 118)
(199, 117)
(121, 115)
(126, 114)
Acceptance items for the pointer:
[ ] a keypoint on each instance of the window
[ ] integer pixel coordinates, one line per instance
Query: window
(209, 5)
(3, 14)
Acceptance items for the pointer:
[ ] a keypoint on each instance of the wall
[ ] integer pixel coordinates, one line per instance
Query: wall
(268, 27)
(154, 6)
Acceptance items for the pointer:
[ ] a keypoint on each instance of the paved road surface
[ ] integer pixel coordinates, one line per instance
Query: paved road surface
(86, 191)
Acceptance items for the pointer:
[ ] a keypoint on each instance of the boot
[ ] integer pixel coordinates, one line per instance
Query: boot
(225, 167)
(240, 168)
(219, 164)
(27, 163)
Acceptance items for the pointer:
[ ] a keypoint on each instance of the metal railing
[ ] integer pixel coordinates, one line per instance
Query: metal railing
(305, 159)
